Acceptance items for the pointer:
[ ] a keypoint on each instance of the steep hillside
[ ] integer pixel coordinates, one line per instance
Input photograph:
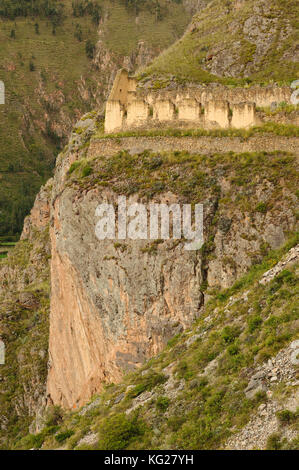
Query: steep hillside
(233, 42)
(57, 62)
(24, 329)
(231, 381)
(135, 342)
(115, 304)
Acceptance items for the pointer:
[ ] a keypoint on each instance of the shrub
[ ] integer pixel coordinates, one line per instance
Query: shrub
(62, 436)
(87, 170)
(175, 422)
(148, 382)
(254, 322)
(261, 207)
(32, 441)
(286, 416)
(89, 48)
(173, 341)
(233, 349)
(274, 442)
(54, 415)
(162, 403)
(229, 334)
(117, 432)
(140, 388)
(73, 167)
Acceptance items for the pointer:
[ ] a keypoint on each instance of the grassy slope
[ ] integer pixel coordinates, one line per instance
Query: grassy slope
(219, 27)
(27, 154)
(203, 413)
(30, 128)
(286, 130)
(25, 333)
(124, 31)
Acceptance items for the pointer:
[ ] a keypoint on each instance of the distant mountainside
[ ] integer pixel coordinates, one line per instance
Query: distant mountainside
(251, 40)
(57, 60)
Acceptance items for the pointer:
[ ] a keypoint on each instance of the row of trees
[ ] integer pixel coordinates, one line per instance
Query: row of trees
(87, 7)
(156, 7)
(51, 9)
(14, 207)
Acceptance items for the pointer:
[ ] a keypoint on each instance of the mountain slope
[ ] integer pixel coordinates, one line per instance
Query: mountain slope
(208, 339)
(128, 297)
(237, 41)
(236, 365)
(57, 62)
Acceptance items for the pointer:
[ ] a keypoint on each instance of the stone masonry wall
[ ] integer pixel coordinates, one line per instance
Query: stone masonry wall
(208, 107)
(108, 147)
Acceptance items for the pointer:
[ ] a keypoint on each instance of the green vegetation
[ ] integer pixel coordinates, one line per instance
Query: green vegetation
(284, 130)
(148, 382)
(5, 247)
(162, 404)
(122, 33)
(261, 207)
(274, 442)
(120, 432)
(193, 177)
(281, 108)
(212, 35)
(46, 52)
(41, 73)
(203, 413)
(24, 331)
(51, 9)
(287, 416)
(62, 436)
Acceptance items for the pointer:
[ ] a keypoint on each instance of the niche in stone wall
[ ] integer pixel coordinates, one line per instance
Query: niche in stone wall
(163, 110)
(189, 109)
(138, 111)
(217, 113)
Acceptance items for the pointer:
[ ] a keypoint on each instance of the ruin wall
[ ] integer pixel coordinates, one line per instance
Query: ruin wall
(207, 107)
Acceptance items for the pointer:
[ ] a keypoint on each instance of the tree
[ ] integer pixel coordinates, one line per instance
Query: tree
(89, 49)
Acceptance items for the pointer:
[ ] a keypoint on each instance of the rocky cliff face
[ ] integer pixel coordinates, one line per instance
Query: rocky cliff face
(115, 304)
(228, 382)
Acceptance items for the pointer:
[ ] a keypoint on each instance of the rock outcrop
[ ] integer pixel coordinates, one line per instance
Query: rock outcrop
(115, 304)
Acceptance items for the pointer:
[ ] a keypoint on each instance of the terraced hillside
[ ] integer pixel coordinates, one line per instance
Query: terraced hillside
(57, 62)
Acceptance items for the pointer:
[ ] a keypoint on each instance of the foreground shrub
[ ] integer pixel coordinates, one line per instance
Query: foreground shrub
(118, 432)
